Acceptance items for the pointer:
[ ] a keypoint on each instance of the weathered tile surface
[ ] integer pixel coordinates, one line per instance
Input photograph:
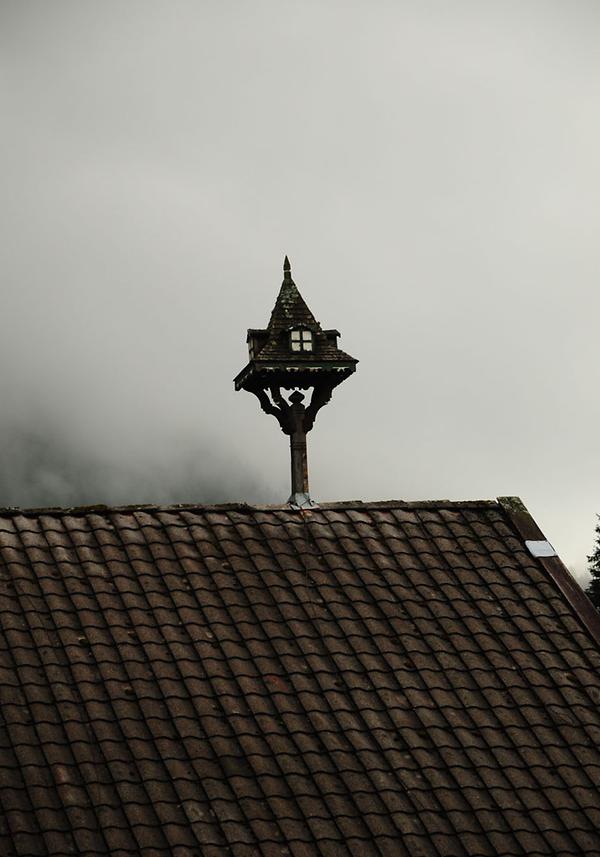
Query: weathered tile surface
(290, 309)
(385, 679)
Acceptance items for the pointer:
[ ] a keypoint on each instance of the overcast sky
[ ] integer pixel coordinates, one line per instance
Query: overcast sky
(430, 168)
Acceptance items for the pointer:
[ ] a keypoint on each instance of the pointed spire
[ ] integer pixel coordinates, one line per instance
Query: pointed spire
(287, 269)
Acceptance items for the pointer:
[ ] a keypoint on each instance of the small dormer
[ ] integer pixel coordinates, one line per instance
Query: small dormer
(256, 339)
(332, 336)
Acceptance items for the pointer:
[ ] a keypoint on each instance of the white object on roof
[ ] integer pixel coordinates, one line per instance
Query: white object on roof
(540, 548)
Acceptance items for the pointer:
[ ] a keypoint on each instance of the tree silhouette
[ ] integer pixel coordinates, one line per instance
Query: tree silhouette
(593, 590)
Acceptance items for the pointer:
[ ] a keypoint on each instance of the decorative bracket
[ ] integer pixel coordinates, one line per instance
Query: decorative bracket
(292, 415)
(296, 420)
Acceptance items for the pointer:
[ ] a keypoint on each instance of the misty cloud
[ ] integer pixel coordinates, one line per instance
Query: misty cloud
(39, 469)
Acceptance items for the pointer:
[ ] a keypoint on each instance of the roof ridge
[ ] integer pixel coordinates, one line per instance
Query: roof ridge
(9, 511)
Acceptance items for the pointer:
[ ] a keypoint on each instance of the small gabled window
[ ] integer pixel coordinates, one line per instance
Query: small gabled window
(301, 340)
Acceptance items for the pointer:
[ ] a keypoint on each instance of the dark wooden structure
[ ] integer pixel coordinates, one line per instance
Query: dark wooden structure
(294, 353)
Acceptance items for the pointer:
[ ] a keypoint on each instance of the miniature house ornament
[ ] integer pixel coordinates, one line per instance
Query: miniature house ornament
(294, 353)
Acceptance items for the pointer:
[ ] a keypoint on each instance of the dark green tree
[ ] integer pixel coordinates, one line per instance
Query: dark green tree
(593, 590)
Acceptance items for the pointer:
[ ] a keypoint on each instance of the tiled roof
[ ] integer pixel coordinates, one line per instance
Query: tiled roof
(290, 309)
(384, 679)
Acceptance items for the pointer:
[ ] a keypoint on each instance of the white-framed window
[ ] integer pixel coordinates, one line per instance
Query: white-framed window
(301, 340)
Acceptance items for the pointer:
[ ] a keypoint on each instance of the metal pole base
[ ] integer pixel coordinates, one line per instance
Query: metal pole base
(302, 501)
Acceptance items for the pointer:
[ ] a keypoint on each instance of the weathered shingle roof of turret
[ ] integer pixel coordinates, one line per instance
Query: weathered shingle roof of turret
(383, 679)
(291, 310)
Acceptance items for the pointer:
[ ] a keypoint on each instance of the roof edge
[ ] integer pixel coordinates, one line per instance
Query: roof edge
(526, 526)
(9, 511)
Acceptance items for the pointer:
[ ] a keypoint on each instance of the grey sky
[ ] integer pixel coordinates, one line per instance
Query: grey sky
(432, 170)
